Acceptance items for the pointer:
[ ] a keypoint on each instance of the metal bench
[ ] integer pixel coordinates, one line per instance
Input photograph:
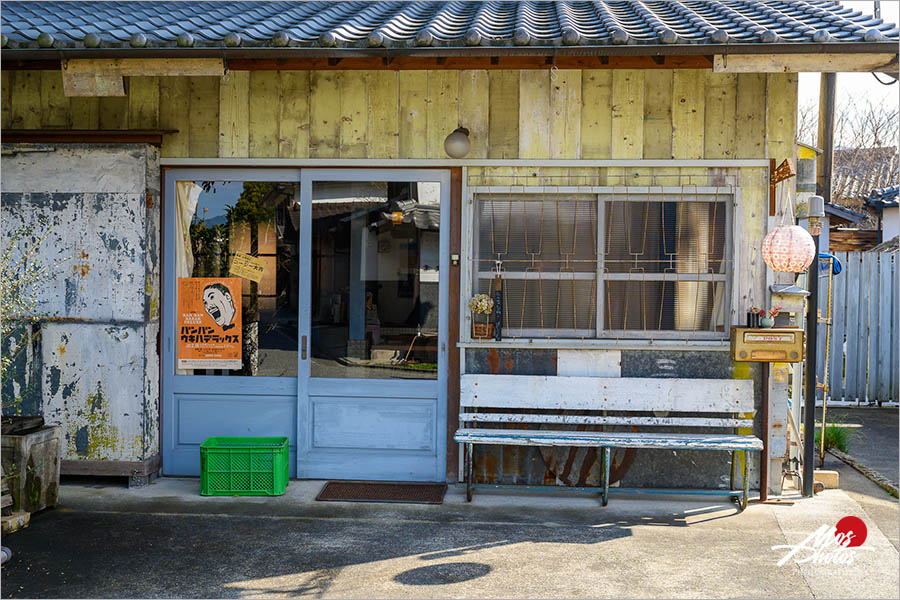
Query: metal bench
(497, 409)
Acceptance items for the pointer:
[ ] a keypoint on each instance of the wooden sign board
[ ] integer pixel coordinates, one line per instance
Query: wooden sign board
(209, 323)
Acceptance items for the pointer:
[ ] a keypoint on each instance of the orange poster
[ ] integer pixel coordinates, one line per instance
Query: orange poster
(209, 323)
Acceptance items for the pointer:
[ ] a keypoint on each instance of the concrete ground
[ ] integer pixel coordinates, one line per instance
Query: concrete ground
(166, 540)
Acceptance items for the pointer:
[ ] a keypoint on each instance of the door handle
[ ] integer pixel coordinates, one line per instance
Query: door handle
(303, 348)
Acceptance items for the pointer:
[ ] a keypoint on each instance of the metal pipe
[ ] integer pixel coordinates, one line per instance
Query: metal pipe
(809, 408)
(764, 459)
(828, 325)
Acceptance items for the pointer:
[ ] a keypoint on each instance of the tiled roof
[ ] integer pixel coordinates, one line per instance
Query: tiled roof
(433, 24)
(843, 213)
(884, 198)
(857, 171)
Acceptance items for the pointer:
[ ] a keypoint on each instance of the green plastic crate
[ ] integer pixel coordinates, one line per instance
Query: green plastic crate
(244, 466)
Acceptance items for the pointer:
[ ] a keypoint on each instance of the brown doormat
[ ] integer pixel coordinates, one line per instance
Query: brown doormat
(368, 491)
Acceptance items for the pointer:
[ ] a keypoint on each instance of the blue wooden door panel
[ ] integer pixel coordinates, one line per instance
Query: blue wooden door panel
(368, 465)
(202, 416)
(199, 416)
(374, 423)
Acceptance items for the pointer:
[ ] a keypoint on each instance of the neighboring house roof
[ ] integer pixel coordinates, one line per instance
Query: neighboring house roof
(727, 24)
(843, 214)
(884, 198)
(857, 171)
(892, 245)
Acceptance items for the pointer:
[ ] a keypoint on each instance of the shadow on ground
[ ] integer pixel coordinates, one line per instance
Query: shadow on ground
(176, 552)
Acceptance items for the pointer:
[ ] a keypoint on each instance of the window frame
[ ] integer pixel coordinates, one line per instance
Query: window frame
(729, 195)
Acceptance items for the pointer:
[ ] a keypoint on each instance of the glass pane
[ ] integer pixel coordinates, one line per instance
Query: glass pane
(375, 265)
(651, 236)
(222, 220)
(556, 232)
(664, 305)
(559, 308)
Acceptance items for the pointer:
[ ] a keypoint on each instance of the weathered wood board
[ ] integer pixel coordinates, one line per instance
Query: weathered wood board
(606, 393)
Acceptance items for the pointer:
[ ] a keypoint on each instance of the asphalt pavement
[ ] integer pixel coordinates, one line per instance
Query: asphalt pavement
(875, 437)
(166, 541)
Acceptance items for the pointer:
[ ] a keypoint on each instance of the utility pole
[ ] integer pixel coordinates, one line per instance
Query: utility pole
(825, 137)
(824, 165)
(816, 212)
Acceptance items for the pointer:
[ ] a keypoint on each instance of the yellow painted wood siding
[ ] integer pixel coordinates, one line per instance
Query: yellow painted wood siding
(568, 114)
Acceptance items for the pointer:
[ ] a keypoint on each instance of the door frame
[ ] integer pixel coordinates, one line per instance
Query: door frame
(304, 421)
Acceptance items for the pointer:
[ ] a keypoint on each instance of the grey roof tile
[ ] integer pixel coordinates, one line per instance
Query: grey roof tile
(437, 24)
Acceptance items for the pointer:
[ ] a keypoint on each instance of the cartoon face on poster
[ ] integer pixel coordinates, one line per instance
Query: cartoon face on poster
(209, 323)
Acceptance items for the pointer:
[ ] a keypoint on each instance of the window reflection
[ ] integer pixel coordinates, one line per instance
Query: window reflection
(259, 219)
(375, 265)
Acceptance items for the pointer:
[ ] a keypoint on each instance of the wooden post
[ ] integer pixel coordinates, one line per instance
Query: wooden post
(827, 90)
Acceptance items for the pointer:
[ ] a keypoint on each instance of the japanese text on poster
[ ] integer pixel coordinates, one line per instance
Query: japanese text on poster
(209, 323)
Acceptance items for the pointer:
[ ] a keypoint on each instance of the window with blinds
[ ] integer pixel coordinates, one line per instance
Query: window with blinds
(618, 263)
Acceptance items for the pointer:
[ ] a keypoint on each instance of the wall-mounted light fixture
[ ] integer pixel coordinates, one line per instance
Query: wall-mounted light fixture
(457, 143)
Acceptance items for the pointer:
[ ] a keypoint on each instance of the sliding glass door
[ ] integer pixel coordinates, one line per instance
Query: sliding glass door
(372, 376)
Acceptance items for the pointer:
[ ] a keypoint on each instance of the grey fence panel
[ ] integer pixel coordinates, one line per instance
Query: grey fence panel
(838, 310)
(895, 327)
(870, 261)
(864, 293)
(864, 334)
(884, 327)
(852, 356)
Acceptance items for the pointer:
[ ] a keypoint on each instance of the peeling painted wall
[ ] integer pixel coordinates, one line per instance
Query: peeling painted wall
(94, 361)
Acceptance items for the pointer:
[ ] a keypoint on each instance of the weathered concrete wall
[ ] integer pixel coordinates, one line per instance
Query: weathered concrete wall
(96, 349)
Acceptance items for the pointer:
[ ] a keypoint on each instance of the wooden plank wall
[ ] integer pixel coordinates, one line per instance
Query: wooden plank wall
(538, 114)
(566, 114)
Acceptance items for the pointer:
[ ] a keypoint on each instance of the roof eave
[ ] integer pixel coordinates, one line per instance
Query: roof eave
(268, 52)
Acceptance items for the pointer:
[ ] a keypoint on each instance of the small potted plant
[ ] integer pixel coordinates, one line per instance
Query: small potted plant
(767, 319)
(482, 328)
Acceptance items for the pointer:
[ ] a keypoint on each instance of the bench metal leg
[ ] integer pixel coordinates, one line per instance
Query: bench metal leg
(734, 459)
(746, 470)
(606, 459)
(469, 460)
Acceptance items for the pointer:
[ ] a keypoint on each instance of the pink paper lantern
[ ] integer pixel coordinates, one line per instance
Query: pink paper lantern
(789, 249)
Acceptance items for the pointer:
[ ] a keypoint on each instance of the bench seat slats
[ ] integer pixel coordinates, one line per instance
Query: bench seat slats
(603, 420)
(536, 437)
(606, 393)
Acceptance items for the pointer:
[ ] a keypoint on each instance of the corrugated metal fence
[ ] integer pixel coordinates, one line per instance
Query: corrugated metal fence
(862, 362)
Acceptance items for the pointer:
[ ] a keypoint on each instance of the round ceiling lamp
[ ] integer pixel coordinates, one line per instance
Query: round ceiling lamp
(457, 143)
(788, 249)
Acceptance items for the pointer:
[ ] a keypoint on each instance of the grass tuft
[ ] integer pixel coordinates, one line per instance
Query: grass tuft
(836, 436)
